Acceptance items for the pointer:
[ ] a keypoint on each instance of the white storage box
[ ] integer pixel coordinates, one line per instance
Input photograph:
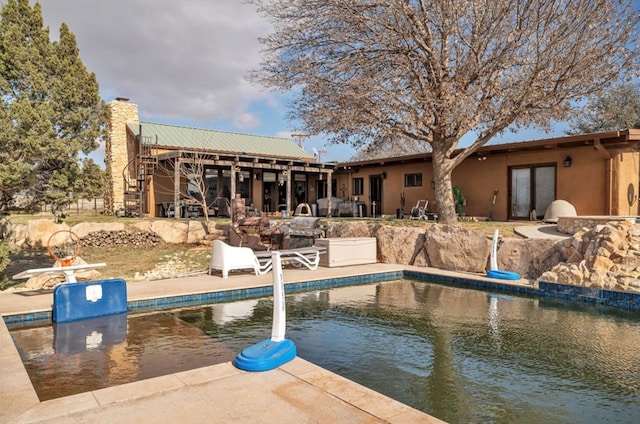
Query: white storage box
(345, 251)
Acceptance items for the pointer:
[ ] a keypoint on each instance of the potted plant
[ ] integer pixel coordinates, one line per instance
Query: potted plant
(459, 199)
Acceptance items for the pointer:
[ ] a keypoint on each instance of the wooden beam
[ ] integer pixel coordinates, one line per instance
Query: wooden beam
(600, 148)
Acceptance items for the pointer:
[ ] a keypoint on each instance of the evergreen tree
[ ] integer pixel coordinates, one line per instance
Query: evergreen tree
(50, 110)
(90, 182)
(50, 107)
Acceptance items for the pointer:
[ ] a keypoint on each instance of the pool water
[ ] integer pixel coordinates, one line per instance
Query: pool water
(462, 355)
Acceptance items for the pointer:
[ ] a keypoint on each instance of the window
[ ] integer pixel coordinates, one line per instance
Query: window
(412, 180)
(358, 186)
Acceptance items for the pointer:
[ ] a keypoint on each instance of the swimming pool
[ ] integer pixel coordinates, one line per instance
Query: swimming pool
(461, 355)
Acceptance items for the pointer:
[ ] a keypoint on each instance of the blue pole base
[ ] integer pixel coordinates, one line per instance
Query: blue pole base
(265, 355)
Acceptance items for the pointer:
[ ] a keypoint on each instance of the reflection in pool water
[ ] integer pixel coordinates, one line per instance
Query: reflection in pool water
(458, 354)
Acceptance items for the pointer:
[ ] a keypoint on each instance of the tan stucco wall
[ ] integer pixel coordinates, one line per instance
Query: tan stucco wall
(584, 184)
(116, 149)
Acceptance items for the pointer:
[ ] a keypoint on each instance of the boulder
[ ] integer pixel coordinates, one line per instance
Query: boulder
(170, 231)
(49, 281)
(18, 236)
(85, 228)
(530, 257)
(606, 256)
(390, 250)
(38, 232)
(457, 249)
(348, 229)
(142, 225)
(196, 232)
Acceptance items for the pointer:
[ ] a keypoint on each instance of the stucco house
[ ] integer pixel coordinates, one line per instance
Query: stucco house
(597, 173)
(149, 164)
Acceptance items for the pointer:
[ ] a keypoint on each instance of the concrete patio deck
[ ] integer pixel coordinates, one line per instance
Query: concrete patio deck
(296, 392)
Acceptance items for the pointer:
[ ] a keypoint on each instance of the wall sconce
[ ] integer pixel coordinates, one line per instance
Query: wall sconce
(256, 176)
(384, 175)
(567, 162)
(239, 172)
(433, 184)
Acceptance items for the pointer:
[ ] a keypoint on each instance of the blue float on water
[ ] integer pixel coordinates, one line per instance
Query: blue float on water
(503, 275)
(270, 353)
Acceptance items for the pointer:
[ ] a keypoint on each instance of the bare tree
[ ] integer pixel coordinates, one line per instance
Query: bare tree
(616, 109)
(433, 71)
(391, 148)
(190, 178)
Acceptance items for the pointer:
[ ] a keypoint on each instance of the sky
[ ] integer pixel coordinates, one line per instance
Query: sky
(185, 63)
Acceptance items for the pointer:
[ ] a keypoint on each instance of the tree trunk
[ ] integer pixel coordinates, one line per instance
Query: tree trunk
(444, 190)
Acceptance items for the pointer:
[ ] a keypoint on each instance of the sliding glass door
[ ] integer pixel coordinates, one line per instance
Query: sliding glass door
(532, 188)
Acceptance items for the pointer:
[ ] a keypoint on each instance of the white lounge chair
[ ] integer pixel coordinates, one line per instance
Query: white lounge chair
(226, 258)
(307, 256)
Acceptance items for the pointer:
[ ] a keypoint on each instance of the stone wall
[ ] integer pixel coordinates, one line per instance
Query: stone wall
(604, 257)
(573, 224)
(607, 256)
(116, 154)
(36, 233)
(453, 248)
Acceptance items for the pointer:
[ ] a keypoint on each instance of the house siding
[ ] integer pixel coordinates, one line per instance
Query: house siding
(596, 183)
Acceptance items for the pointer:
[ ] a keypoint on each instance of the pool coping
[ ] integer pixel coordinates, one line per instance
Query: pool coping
(195, 395)
(19, 403)
(610, 298)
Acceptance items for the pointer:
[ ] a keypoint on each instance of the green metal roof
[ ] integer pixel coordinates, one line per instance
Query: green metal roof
(184, 138)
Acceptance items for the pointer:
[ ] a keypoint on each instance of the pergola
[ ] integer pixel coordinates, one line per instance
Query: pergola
(236, 163)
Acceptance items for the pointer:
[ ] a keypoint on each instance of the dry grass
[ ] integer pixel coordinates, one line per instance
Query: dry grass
(122, 262)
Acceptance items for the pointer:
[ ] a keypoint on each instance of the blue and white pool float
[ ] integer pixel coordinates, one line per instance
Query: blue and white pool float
(503, 275)
(494, 272)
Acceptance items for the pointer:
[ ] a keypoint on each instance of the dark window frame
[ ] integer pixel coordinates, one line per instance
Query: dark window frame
(358, 186)
(413, 180)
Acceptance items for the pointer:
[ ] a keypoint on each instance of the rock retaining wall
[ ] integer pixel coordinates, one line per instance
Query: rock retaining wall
(607, 256)
(573, 224)
(36, 233)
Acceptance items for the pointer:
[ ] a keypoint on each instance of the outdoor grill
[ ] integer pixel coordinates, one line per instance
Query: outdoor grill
(301, 232)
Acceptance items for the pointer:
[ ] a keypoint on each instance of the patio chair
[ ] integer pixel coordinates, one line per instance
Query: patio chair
(227, 258)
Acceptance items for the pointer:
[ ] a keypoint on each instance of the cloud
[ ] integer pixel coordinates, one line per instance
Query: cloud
(178, 60)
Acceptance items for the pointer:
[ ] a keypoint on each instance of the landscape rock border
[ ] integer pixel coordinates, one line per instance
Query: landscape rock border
(606, 256)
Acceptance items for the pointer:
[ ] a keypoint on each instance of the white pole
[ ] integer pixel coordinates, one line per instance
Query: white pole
(279, 312)
(493, 264)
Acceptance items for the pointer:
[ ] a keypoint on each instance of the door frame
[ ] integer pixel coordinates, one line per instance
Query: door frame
(532, 187)
(376, 194)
